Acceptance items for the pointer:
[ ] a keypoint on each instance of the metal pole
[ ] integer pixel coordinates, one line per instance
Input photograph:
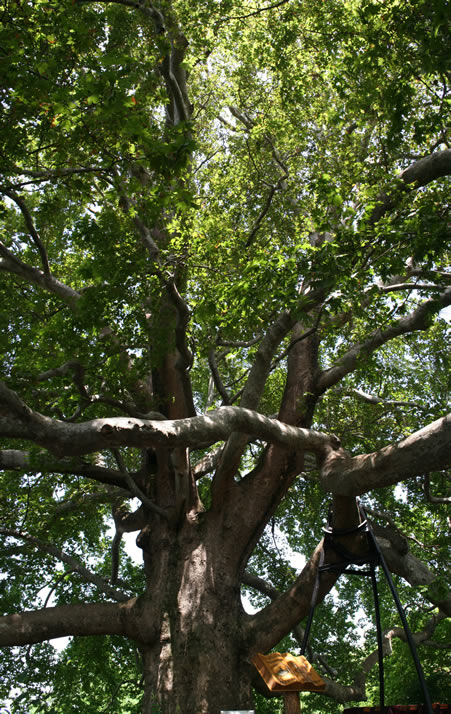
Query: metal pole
(413, 649)
(380, 654)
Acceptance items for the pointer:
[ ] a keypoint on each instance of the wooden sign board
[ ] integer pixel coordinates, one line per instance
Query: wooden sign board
(287, 673)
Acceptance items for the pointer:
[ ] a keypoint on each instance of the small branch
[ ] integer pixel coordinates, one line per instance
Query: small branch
(207, 464)
(72, 562)
(255, 12)
(78, 375)
(217, 377)
(31, 228)
(265, 209)
(11, 264)
(409, 286)
(147, 9)
(243, 343)
(372, 399)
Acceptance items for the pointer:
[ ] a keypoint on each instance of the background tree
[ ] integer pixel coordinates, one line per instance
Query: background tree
(224, 261)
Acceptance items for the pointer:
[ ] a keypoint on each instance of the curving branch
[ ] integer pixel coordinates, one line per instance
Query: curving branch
(207, 463)
(212, 363)
(73, 366)
(19, 201)
(428, 494)
(253, 389)
(135, 490)
(75, 439)
(281, 183)
(418, 319)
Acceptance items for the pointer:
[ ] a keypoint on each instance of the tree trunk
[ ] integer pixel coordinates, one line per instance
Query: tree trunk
(195, 665)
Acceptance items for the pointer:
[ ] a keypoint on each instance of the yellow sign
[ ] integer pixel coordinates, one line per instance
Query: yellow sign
(287, 673)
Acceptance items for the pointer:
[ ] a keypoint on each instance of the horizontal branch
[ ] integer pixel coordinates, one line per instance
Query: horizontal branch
(98, 618)
(19, 460)
(428, 449)
(69, 439)
(420, 173)
(373, 399)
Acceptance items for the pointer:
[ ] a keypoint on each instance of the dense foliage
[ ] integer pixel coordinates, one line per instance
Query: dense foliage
(211, 204)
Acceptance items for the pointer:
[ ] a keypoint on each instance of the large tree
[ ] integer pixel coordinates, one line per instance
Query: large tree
(224, 261)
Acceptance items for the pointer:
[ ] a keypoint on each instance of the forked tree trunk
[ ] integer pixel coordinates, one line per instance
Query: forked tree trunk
(194, 665)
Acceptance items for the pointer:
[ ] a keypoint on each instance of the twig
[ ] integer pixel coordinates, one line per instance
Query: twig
(31, 228)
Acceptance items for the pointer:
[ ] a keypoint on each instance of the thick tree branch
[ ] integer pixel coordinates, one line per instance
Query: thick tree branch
(88, 619)
(257, 583)
(267, 627)
(420, 173)
(11, 264)
(75, 439)
(428, 449)
(17, 460)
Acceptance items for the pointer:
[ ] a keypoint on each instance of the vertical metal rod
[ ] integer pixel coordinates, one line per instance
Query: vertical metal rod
(413, 649)
(380, 654)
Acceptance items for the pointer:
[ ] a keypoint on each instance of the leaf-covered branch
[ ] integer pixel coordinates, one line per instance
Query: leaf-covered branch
(419, 319)
(11, 264)
(72, 562)
(420, 173)
(20, 202)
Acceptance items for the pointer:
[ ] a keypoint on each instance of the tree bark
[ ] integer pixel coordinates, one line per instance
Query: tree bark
(197, 659)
